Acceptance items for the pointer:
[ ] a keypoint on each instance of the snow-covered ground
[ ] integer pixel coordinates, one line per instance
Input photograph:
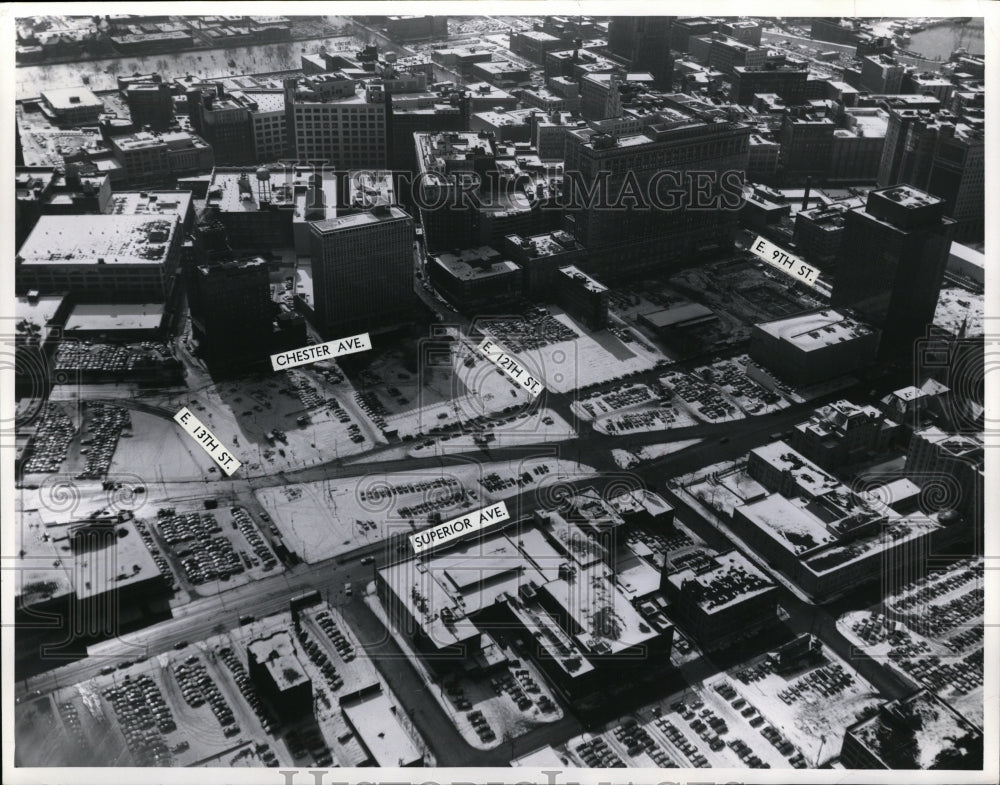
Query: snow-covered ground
(590, 358)
(930, 633)
(319, 520)
(241, 414)
(204, 64)
(627, 459)
(812, 720)
(958, 308)
(468, 386)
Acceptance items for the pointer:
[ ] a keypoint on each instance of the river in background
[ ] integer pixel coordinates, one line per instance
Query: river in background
(939, 42)
(203, 63)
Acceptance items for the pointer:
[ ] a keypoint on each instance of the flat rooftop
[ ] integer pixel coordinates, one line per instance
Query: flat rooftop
(150, 203)
(234, 190)
(907, 196)
(548, 244)
(476, 263)
(486, 90)
(572, 541)
(678, 315)
(499, 67)
(376, 722)
(277, 653)
(64, 98)
(108, 317)
(724, 580)
(954, 444)
(606, 620)
(359, 220)
(99, 239)
(370, 188)
(537, 35)
(797, 529)
(817, 330)
(581, 278)
(809, 477)
(38, 311)
(442, 590)
(87, 571)
(640, 499)
(174, 140)
(589, 506)
(267, 100)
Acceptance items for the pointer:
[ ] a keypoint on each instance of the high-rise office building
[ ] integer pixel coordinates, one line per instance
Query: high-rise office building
(362, 269)
(674, 164)
(806, 146)
(150, 104)
(942, 155)
(331, 119)
(223, 119)
(644, 42)
(891, 264)
(232, 312)
(787, 81)
(882, 74)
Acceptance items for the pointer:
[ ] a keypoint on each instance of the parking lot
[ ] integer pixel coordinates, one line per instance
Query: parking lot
(704, 400)
(174, 710)
(51, 441)
(931, 632)
(204, 552)
(569, 355)
(508, 701)
(731, 377)
(111, 360)
(289, 419)
(810, 700)
(599, 404)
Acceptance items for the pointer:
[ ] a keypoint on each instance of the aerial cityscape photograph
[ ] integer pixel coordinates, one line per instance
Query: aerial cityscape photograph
(497, 392)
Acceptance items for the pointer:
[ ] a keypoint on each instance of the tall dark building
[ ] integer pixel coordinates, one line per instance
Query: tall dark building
(891, 264)
(232, 313)
(788, 81)
(223, 120)
(806, 147)
(684, 28)
(150, 104)
(687, 172)
(644, 41)
(942, 155)
(362, 267)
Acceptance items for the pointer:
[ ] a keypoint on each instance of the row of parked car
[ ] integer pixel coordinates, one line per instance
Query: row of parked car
(598, 755)
(144, 718)
(243, 522)
(679, 740)
(198, 688)
(340, 641)
(319, 658)
(242, 679)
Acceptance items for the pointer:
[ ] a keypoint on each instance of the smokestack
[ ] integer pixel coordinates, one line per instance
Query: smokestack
(805, 195)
